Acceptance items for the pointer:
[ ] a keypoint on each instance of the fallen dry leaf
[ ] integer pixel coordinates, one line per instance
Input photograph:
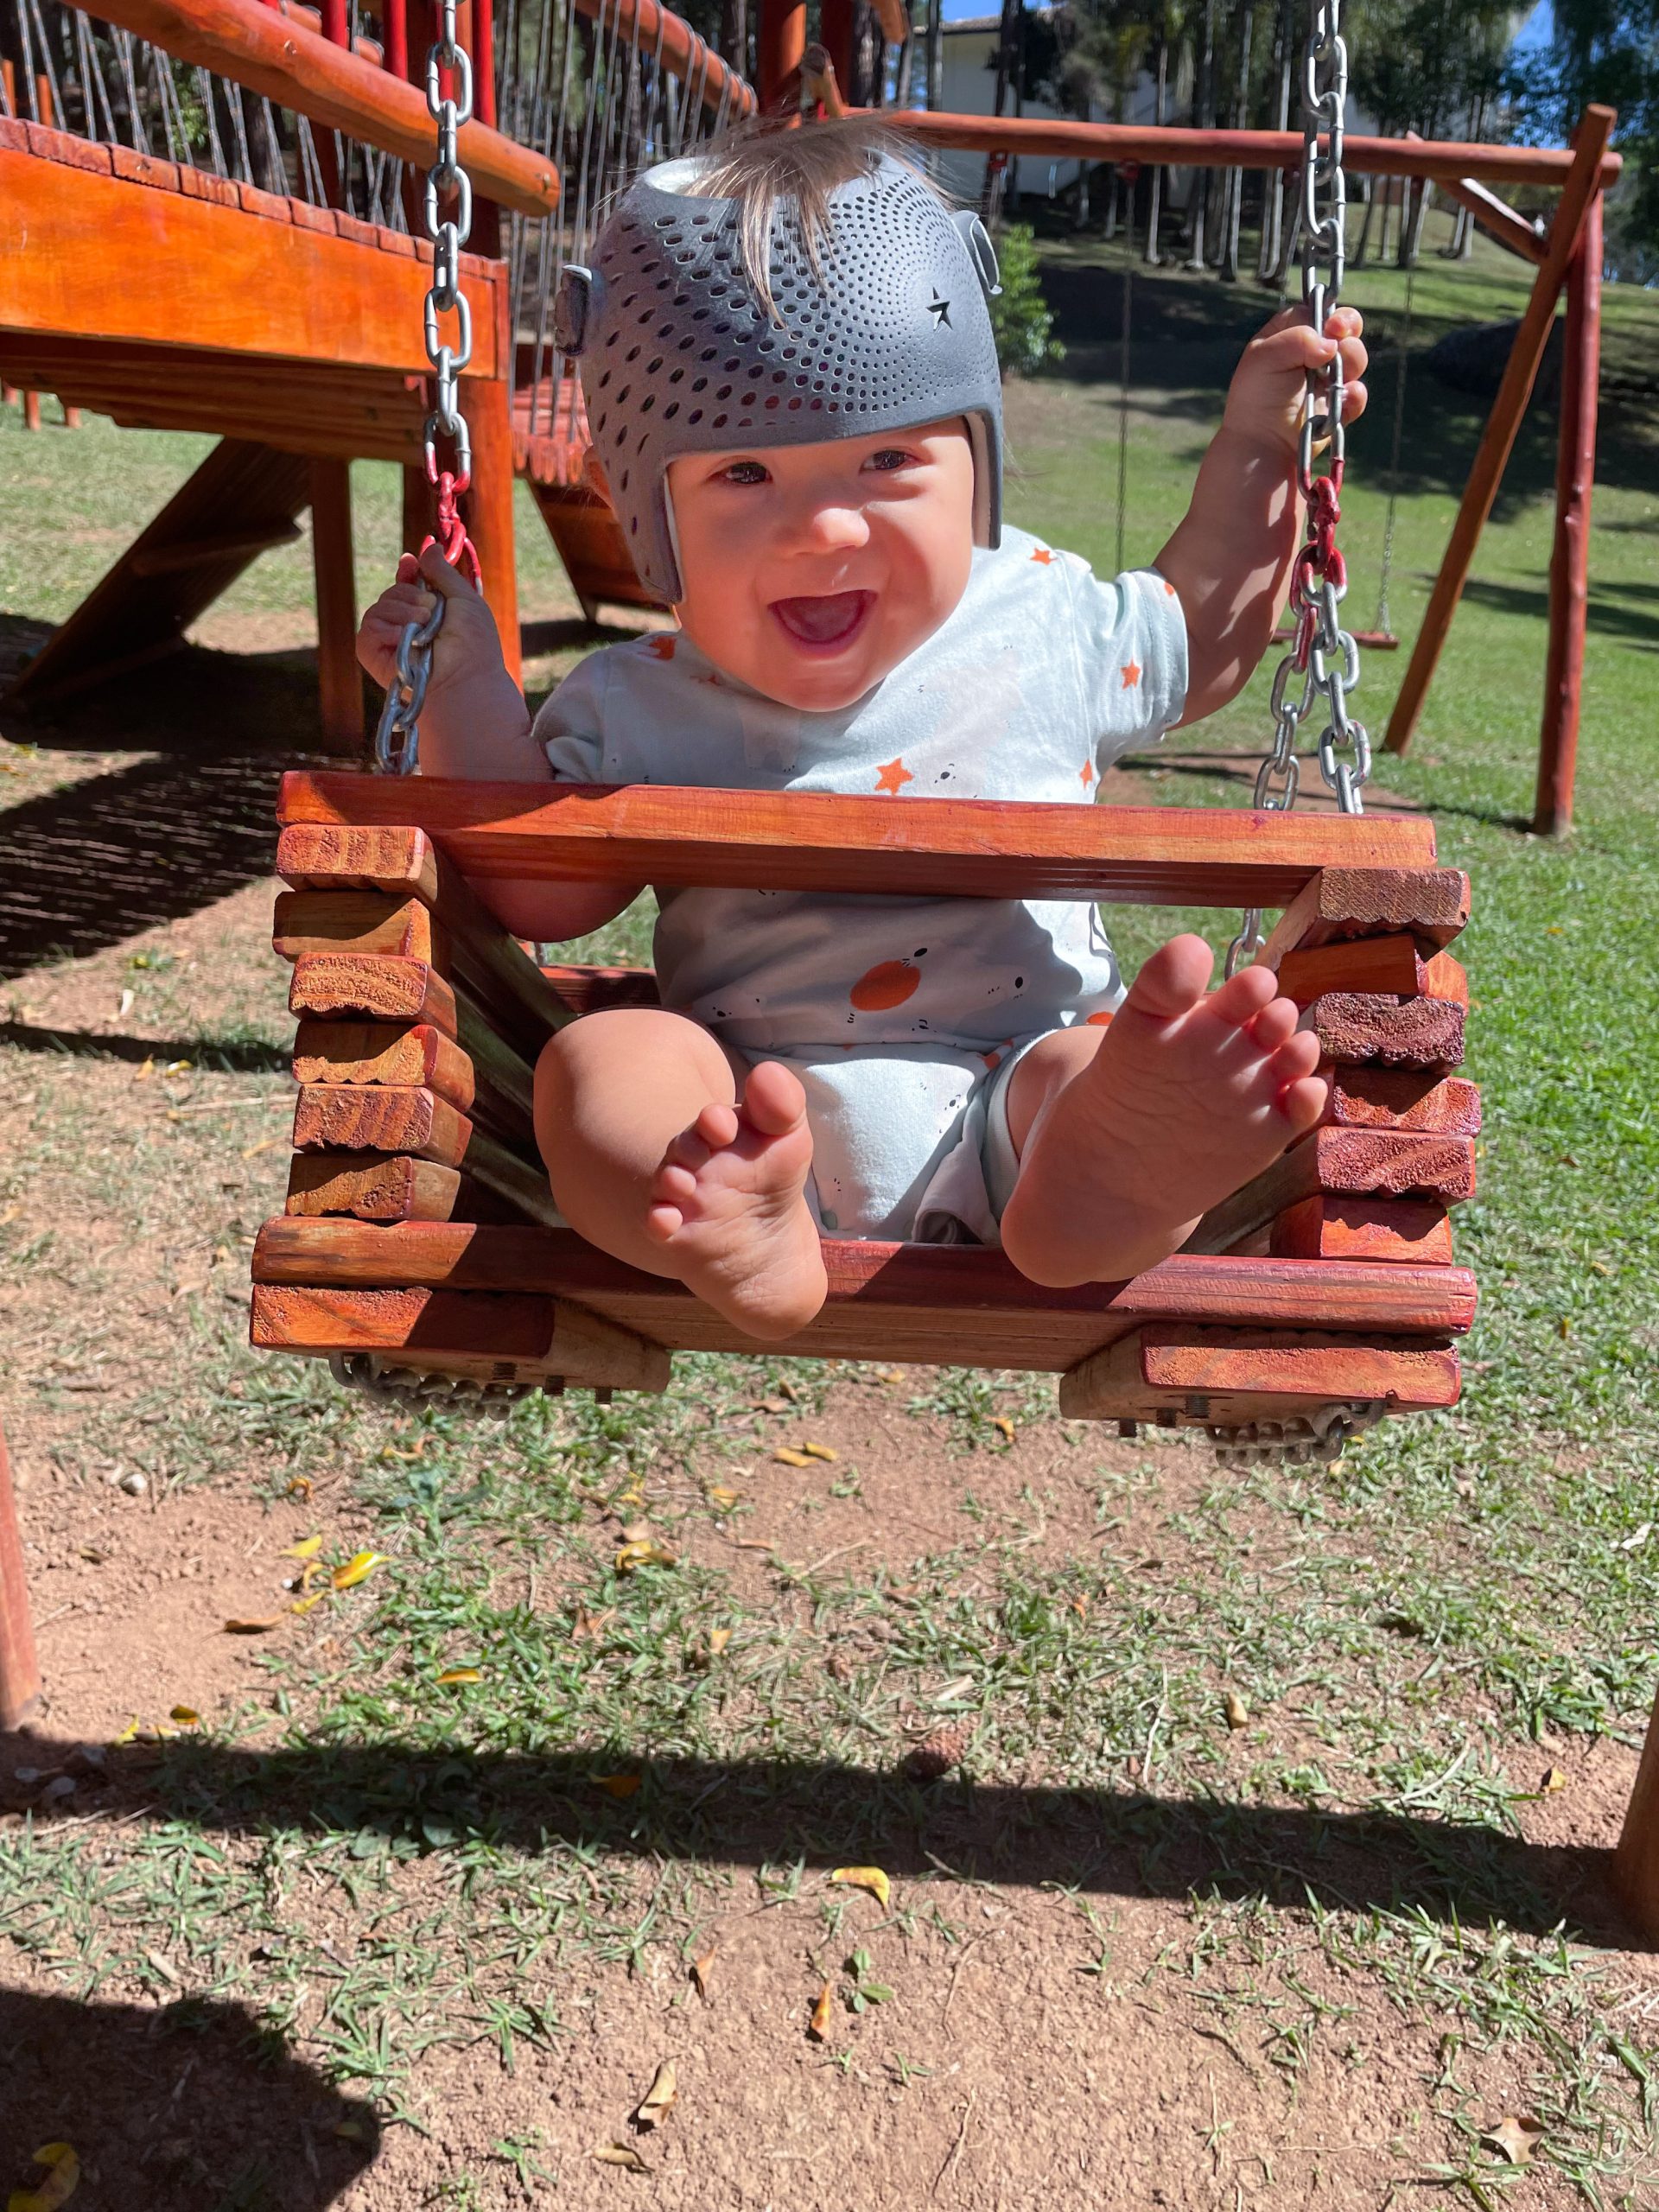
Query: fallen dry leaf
(165, 1967)
(789, 1456)
(821, 1452)
(721, 1496)
(621, 2154)
(658, 2102)
(299, 1487)
(254, 1628)
(702, 1970)
(792, 1390)
(639, 1552)
(266, 1144)
(771, 1405)
(618, 1785)
(351, 2131)
(1552, 1780)
(865, 1878)
(718, 1640)
(308, 1547)
(461, 1675)
(1080, 1605)
(592, 1624)
(889, 1374)
(356, 1569)
(1003, 1426)
(304, 1604)
(186, 1715)
(63, 2177)
(818, 2026)
(1514, 2138)
(632, 1494)
(1237, 1711)
(635, 1532)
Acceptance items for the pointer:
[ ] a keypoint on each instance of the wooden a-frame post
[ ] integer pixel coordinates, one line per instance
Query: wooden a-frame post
(1580, 192)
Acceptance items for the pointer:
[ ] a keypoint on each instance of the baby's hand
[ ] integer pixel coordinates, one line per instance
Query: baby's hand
(1264, 401)
(468, 649)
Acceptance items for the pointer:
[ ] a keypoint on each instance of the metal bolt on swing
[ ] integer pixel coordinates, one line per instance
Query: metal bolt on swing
(398, 738)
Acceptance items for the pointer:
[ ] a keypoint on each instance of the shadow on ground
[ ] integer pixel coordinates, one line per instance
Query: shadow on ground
(195, 2103)
(154, 838)
(758, 1812)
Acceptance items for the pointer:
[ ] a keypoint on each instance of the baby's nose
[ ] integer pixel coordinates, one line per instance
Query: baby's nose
(835, 529)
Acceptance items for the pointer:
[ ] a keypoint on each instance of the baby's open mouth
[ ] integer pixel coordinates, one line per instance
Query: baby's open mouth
(829, 620)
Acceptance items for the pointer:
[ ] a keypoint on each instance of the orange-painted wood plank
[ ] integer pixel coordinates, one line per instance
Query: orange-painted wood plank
(80, 253)
(825, 842)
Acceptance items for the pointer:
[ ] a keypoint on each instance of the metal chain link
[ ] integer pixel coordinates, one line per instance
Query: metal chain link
(1324, 654)
(397, 740)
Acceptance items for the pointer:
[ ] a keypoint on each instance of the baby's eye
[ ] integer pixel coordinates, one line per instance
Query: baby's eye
(889, 458)
(744, 472)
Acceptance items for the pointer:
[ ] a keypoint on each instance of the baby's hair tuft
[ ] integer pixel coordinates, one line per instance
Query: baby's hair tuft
(767, 167)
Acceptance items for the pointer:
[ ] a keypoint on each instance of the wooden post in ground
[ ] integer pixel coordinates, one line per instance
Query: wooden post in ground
(340, 679)
(1569, 568)
(20, 1674)
(1497, 441)
(488, 507)
(781, 43)
(1636, 1863)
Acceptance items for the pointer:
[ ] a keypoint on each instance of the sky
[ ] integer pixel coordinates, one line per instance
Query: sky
(1534, 32)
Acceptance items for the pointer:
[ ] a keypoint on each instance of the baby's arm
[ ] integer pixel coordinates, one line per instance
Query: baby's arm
(475, 724)
(1230, 559)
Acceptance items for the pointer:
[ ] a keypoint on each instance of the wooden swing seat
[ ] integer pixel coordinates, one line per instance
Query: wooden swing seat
(419, 1226)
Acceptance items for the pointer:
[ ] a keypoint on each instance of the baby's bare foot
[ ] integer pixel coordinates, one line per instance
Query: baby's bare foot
(727, 1206)
(1189, 1096)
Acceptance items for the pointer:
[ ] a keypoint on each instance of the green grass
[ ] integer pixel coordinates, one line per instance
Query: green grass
(435, 1867)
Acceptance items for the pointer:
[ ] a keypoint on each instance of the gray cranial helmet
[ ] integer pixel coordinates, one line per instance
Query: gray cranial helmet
(887, 331)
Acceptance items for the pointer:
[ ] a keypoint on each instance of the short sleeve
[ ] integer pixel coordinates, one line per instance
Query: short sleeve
(571, 728)
(1131, 642)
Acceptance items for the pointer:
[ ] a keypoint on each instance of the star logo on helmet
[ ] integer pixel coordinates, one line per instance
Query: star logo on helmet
(939, 309)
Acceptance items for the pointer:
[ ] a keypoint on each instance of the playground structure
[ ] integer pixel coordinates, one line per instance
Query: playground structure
(296, 340)
(418, 1233)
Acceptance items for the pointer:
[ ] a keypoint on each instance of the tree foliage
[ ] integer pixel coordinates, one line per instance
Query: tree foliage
(1602, 51)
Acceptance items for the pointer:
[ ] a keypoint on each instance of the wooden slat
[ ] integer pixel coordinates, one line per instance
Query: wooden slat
(398, 862)
(1432, 905)
(1343, 1163)
(506, 1339)
(372, 1186)
(356, 922)
(956, 1305)
(1363, 1229)
(1357, 1026)
(232, 281)
(1418, 1102)
(376, 987)
(593, 990)
(340, 1117)
(382, 1053)
(1228, 1376)
(1391, 965)
(253, 45)
(823, 841)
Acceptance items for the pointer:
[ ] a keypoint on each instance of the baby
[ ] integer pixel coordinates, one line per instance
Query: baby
(787, 360)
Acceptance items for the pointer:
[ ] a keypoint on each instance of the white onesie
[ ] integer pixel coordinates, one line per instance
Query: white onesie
(903, 1017)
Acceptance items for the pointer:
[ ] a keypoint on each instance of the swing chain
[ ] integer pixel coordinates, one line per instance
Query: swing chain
(398, 739)
(1323, 653)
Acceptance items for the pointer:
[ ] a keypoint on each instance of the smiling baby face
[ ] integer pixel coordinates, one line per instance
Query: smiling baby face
(811, 571)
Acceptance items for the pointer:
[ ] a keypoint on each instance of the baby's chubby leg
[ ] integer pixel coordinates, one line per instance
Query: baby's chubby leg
(660, 1153)
(1127, 1135)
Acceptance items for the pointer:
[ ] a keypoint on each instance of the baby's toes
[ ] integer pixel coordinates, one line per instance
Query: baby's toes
(1302, 1102)
(1274, 1024)
(1243, 997)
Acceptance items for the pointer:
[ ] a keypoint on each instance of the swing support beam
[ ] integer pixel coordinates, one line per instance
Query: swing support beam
(1567, 256)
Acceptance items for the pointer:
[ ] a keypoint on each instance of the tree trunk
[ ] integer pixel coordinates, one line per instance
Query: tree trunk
(1411, 234)
(1272, 209)
(734, 33)
(992, 196)
(1368, 193)
(1159, 110)
(1240, 116)
(1204, 114)
(906, 70)
(935, 55)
